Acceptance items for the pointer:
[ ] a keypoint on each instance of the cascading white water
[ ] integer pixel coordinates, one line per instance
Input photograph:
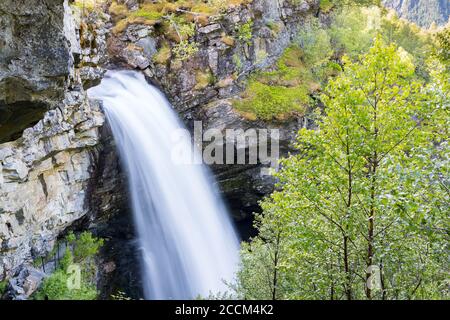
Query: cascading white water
(189, 246)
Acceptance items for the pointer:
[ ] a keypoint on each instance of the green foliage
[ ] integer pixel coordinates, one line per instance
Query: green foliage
(79, 255)
(149, 15)
(217, 296)
(316, 44)
(3, 286)
(315, 57)
(353, 30)
(120, 295)
(269, 102)
(185, 49)
(262, 274)
(88, 5)
(363, 193)
(410, 37)
(244, 32)
(443, 45)
(326, 5)
(66, 260)
(85, 246)
(284, 91)
(185, 30)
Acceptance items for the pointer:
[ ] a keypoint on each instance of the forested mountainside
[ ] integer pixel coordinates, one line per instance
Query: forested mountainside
(422, 12)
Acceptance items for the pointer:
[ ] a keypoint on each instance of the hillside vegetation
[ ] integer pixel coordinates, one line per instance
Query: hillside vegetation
(361, 210)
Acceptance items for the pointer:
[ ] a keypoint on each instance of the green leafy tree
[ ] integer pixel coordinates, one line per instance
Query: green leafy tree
(410, 37)
(79, 253)
(443, 44)
(354, 216)
(351, 31)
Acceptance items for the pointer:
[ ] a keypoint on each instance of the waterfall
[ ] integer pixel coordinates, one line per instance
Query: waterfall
(187, 241)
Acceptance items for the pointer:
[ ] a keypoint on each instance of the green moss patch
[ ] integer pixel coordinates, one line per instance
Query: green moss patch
(280, 93)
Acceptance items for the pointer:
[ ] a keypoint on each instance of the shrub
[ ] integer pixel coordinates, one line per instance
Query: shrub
(244, 32)
(3, 286)
(79, 250)
(148, 14)
(118, 10)
(163, 55)
(88, 5)
(315, 43)
(86, 246)
(351, 31)
(275, 27)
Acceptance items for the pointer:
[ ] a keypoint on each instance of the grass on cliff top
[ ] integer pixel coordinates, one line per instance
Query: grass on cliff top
(146, 14)
(150, 12)
(269, 102)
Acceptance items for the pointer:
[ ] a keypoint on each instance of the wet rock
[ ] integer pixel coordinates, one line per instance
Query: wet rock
(47, 167)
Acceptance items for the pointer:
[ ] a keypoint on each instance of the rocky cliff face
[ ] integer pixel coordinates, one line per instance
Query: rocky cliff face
(422, 12)
(47, 170)
(32, 74)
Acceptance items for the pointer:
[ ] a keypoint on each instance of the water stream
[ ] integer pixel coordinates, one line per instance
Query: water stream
(187, 242)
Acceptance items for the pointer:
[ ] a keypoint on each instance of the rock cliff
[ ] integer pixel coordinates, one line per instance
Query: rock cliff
(58, 166)
(203, 86)
(47, 165)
